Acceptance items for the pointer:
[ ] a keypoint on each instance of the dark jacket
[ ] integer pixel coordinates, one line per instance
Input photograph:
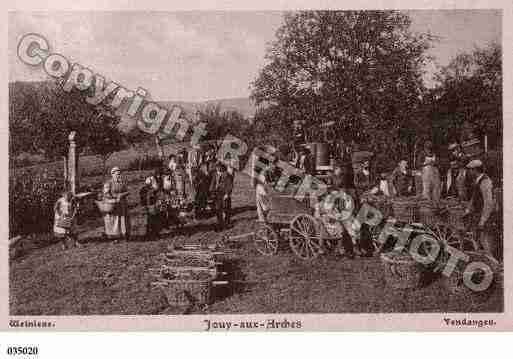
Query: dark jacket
(362, 181)
(401, 181)
(221, 184)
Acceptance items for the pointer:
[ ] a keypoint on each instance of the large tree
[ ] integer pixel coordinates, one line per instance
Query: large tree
(42, 114)
(361, 69)
(469, 95)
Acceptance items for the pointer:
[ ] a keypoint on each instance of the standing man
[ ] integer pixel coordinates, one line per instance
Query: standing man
(193, 162)
(481, 208)
(306, 161)
(450, 185)
(192, 168)
(401, 180)
(221, 187)
(362, 177)
(431, 185)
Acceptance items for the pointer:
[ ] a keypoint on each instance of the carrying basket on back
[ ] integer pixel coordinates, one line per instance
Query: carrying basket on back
(401, 270)
(404, 209)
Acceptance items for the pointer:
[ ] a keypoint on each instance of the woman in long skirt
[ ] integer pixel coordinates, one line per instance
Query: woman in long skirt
(117, 223)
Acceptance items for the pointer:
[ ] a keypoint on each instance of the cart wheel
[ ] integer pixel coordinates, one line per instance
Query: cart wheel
(305, 238)
(447, 235)
(266, 240)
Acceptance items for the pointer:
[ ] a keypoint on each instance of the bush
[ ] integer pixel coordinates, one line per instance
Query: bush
(31, 200)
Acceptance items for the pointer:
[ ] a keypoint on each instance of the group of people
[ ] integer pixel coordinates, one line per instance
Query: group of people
(183, 188)
(180, 190)
(465, 180)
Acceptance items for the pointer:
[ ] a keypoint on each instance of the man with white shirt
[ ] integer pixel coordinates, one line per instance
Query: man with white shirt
(481, 207)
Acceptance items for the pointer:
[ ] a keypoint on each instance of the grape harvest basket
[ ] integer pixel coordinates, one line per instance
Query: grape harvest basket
(187, 276)
(186, 286)
(401, 270)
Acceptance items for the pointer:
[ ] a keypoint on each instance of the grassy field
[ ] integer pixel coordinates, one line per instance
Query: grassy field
(105, 277)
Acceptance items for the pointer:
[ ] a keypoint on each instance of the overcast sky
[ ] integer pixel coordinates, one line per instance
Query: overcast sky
(194, 56)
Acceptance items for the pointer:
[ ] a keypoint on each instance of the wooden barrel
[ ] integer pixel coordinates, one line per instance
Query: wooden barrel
(322, 155)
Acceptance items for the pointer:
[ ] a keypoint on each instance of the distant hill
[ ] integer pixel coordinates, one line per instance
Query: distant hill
(243, 105)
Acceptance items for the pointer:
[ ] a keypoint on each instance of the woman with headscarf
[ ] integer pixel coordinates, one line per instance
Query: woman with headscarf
(117, 223)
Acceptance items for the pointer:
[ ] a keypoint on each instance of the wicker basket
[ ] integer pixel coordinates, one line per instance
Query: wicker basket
(187, 292)
(455, 284)
(404, 210)
(189, 259)
(65, 222)
(106, 206)
(401, 270)
(455, 218)
(427, 213)
(381, 203)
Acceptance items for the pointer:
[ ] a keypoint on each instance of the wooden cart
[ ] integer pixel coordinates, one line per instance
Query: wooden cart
(293, 221)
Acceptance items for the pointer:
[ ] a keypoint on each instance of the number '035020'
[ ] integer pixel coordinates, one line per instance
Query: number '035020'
(22, 350)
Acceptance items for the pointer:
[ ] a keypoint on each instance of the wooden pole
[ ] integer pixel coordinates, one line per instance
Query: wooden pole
(73, 176)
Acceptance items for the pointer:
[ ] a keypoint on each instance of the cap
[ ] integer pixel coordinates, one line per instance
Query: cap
(475, 164)
(114, 169)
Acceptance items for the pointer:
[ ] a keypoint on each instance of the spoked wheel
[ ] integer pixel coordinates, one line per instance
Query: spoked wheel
(305, 239)
(446, 234)
(266, 240)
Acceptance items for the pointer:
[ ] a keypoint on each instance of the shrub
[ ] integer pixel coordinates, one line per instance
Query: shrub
(31, 199)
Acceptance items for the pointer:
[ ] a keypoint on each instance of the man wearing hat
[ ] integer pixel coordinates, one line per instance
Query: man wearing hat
(431, 185)
(221, 188)
(450, 189)
(481, 207)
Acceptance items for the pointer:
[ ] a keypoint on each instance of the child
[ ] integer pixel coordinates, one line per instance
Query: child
(64, 213)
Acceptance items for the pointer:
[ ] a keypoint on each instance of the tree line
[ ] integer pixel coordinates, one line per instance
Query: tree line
(364, 71)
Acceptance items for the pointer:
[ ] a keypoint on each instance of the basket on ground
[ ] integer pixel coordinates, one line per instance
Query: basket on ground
(456, 218)
(427, 213)
(187, 292)
(404, 209)
(401, 270)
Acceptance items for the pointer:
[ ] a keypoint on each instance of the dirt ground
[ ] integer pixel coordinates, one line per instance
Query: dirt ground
(106, 277)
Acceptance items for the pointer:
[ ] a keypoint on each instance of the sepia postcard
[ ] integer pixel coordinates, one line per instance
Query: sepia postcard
(306, 167)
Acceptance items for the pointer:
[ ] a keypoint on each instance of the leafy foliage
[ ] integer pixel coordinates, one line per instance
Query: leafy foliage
(41, 116)
(361, 69)
(468, 97)
(31, 200)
